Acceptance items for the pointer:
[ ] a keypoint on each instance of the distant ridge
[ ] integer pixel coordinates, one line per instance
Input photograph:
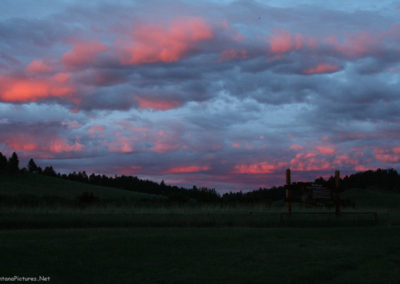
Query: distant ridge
(387, 179)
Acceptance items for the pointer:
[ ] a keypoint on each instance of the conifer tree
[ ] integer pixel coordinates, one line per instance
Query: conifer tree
(13, 164)
(3, 163)
(32, 167)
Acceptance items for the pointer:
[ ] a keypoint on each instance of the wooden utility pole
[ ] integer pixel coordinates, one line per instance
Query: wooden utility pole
(337, 197)
(288, 203)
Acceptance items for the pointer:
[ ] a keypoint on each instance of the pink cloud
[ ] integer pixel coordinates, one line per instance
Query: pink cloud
(187, 169)
(164, 147)
(21, 143)
(28, 142)
(83, 53)
(387, 155)
(96, 129)
(282, 41)
(257, 168)
(232, 33)
(157, 103)
(236, 145)
(61, 77)
(129, 170)
(362, 168)
(321, 68)
(355, 45)
(363, 43)
(164, 142)
(59, 145)
(326, 150)
(121, 144)
(38, 67)
(24, 89)
(296, 147)
(343, 160)
(159, 43)
(309, 162)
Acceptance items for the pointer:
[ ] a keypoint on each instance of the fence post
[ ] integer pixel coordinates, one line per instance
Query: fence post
(288, 203)
(337, 197)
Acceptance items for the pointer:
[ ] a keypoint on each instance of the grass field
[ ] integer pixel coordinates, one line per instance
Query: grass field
(204, 255)
(373, 198)
(125, 241)
(34, 189)
(168, 218)
(126, 210)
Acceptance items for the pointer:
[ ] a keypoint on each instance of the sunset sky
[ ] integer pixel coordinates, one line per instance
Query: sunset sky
(224, 94)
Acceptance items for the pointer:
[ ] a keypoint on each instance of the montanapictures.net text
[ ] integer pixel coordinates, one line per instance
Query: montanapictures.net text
(25, 279)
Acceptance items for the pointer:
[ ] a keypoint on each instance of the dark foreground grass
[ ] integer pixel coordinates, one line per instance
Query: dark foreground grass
(234, 218)
(204, 255)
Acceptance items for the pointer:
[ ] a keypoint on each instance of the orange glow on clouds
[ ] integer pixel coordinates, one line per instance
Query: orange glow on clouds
(60, 145)
(345, 160)
(62, 77)
(157, 104)
(187, 169)
(130, 170)
(38, 66)
(361, 168)
(164, 147)
(83, 53)
(358, 44)
(361, 43)
(121, 144)
(157, 43)
(388, 155)
(257, 168)
(165, 142)
(28, 143)
(321, 69)
(326, 150)
(96, 129)
(282, 41)
(28, 90)
(22, 146)
(309, 162)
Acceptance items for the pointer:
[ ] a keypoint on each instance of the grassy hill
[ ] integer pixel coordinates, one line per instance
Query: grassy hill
(36, 187)
(373, 198)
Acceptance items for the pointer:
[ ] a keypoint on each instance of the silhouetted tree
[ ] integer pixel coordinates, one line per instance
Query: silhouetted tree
(49, 171)
(3, 163)
(83, 177)
(13, 164)
(32, 167)
(380, 179)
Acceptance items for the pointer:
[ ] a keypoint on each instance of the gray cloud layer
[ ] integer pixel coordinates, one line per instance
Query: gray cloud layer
(229, 99)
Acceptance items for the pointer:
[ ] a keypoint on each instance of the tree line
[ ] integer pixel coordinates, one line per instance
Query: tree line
(387, 179)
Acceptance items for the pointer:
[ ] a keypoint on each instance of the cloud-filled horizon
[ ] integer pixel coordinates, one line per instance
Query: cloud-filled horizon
(223, 94)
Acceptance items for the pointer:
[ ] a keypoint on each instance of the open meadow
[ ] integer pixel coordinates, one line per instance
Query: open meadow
(130, 237)
(204, 255)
